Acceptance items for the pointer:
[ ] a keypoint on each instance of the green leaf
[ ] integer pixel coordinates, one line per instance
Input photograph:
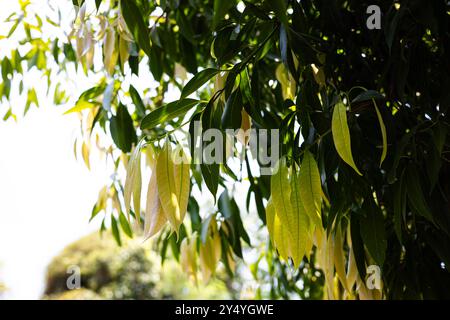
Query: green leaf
(311, 188)
(383, 132)
(232, 114)
(230, 210)
(341, 135)
(197, 81)
(279, 7)
(137, 101)
(122, 129)
(98, 3)
(115, 231)
(372, 231)
(125, 225)
(220, 9)
(136, 24)
(357, 245)
(367, 95)
(210, 173)
(167, 113)
(415, 194)
(399, 206)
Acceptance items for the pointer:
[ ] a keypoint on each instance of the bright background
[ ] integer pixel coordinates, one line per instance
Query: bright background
(46, 195)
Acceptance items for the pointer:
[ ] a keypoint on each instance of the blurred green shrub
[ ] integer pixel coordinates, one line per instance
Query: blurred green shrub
(132, 271)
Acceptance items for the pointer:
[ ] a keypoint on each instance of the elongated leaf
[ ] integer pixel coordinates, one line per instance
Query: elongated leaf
(341, 135)
(182, 179)
(367, 95)
(372, 231)
(125, 225)
(137, 184)
(279, 7)
(136, 24)
(155, 218)
(311, 188)
(122, 129)
(279, 231)
(399, 206)
(270, 219)
(281, 195)
(137, 101)
(197, 81)
(301, 227)
(383, 132)
(115, 230)
(339, 258)
(167, 113)
(232, 114)
(165, 175)
(220, 9)
(415, 194)
(210, 174)
(133, 170)
(281, 234)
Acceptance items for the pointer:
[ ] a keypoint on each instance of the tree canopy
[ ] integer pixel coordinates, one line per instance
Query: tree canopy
(361, 185)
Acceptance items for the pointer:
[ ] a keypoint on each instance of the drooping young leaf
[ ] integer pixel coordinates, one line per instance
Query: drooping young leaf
(281, 195)
(311, 188)
(155, 218)
(301, 224)
(173, 186)
(132, 182)
(341, 135)
(182, 179)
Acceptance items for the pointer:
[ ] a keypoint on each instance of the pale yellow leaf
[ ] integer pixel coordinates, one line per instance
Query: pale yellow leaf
(339, 258)
(182, 179)
(137, 185)
(155, 219)
(301, 228)
(311, 188)
(165, 175)
(85, 151)
(341, 135)
(281, 195)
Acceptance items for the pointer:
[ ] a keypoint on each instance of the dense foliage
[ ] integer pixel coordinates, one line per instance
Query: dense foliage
(362, 116)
